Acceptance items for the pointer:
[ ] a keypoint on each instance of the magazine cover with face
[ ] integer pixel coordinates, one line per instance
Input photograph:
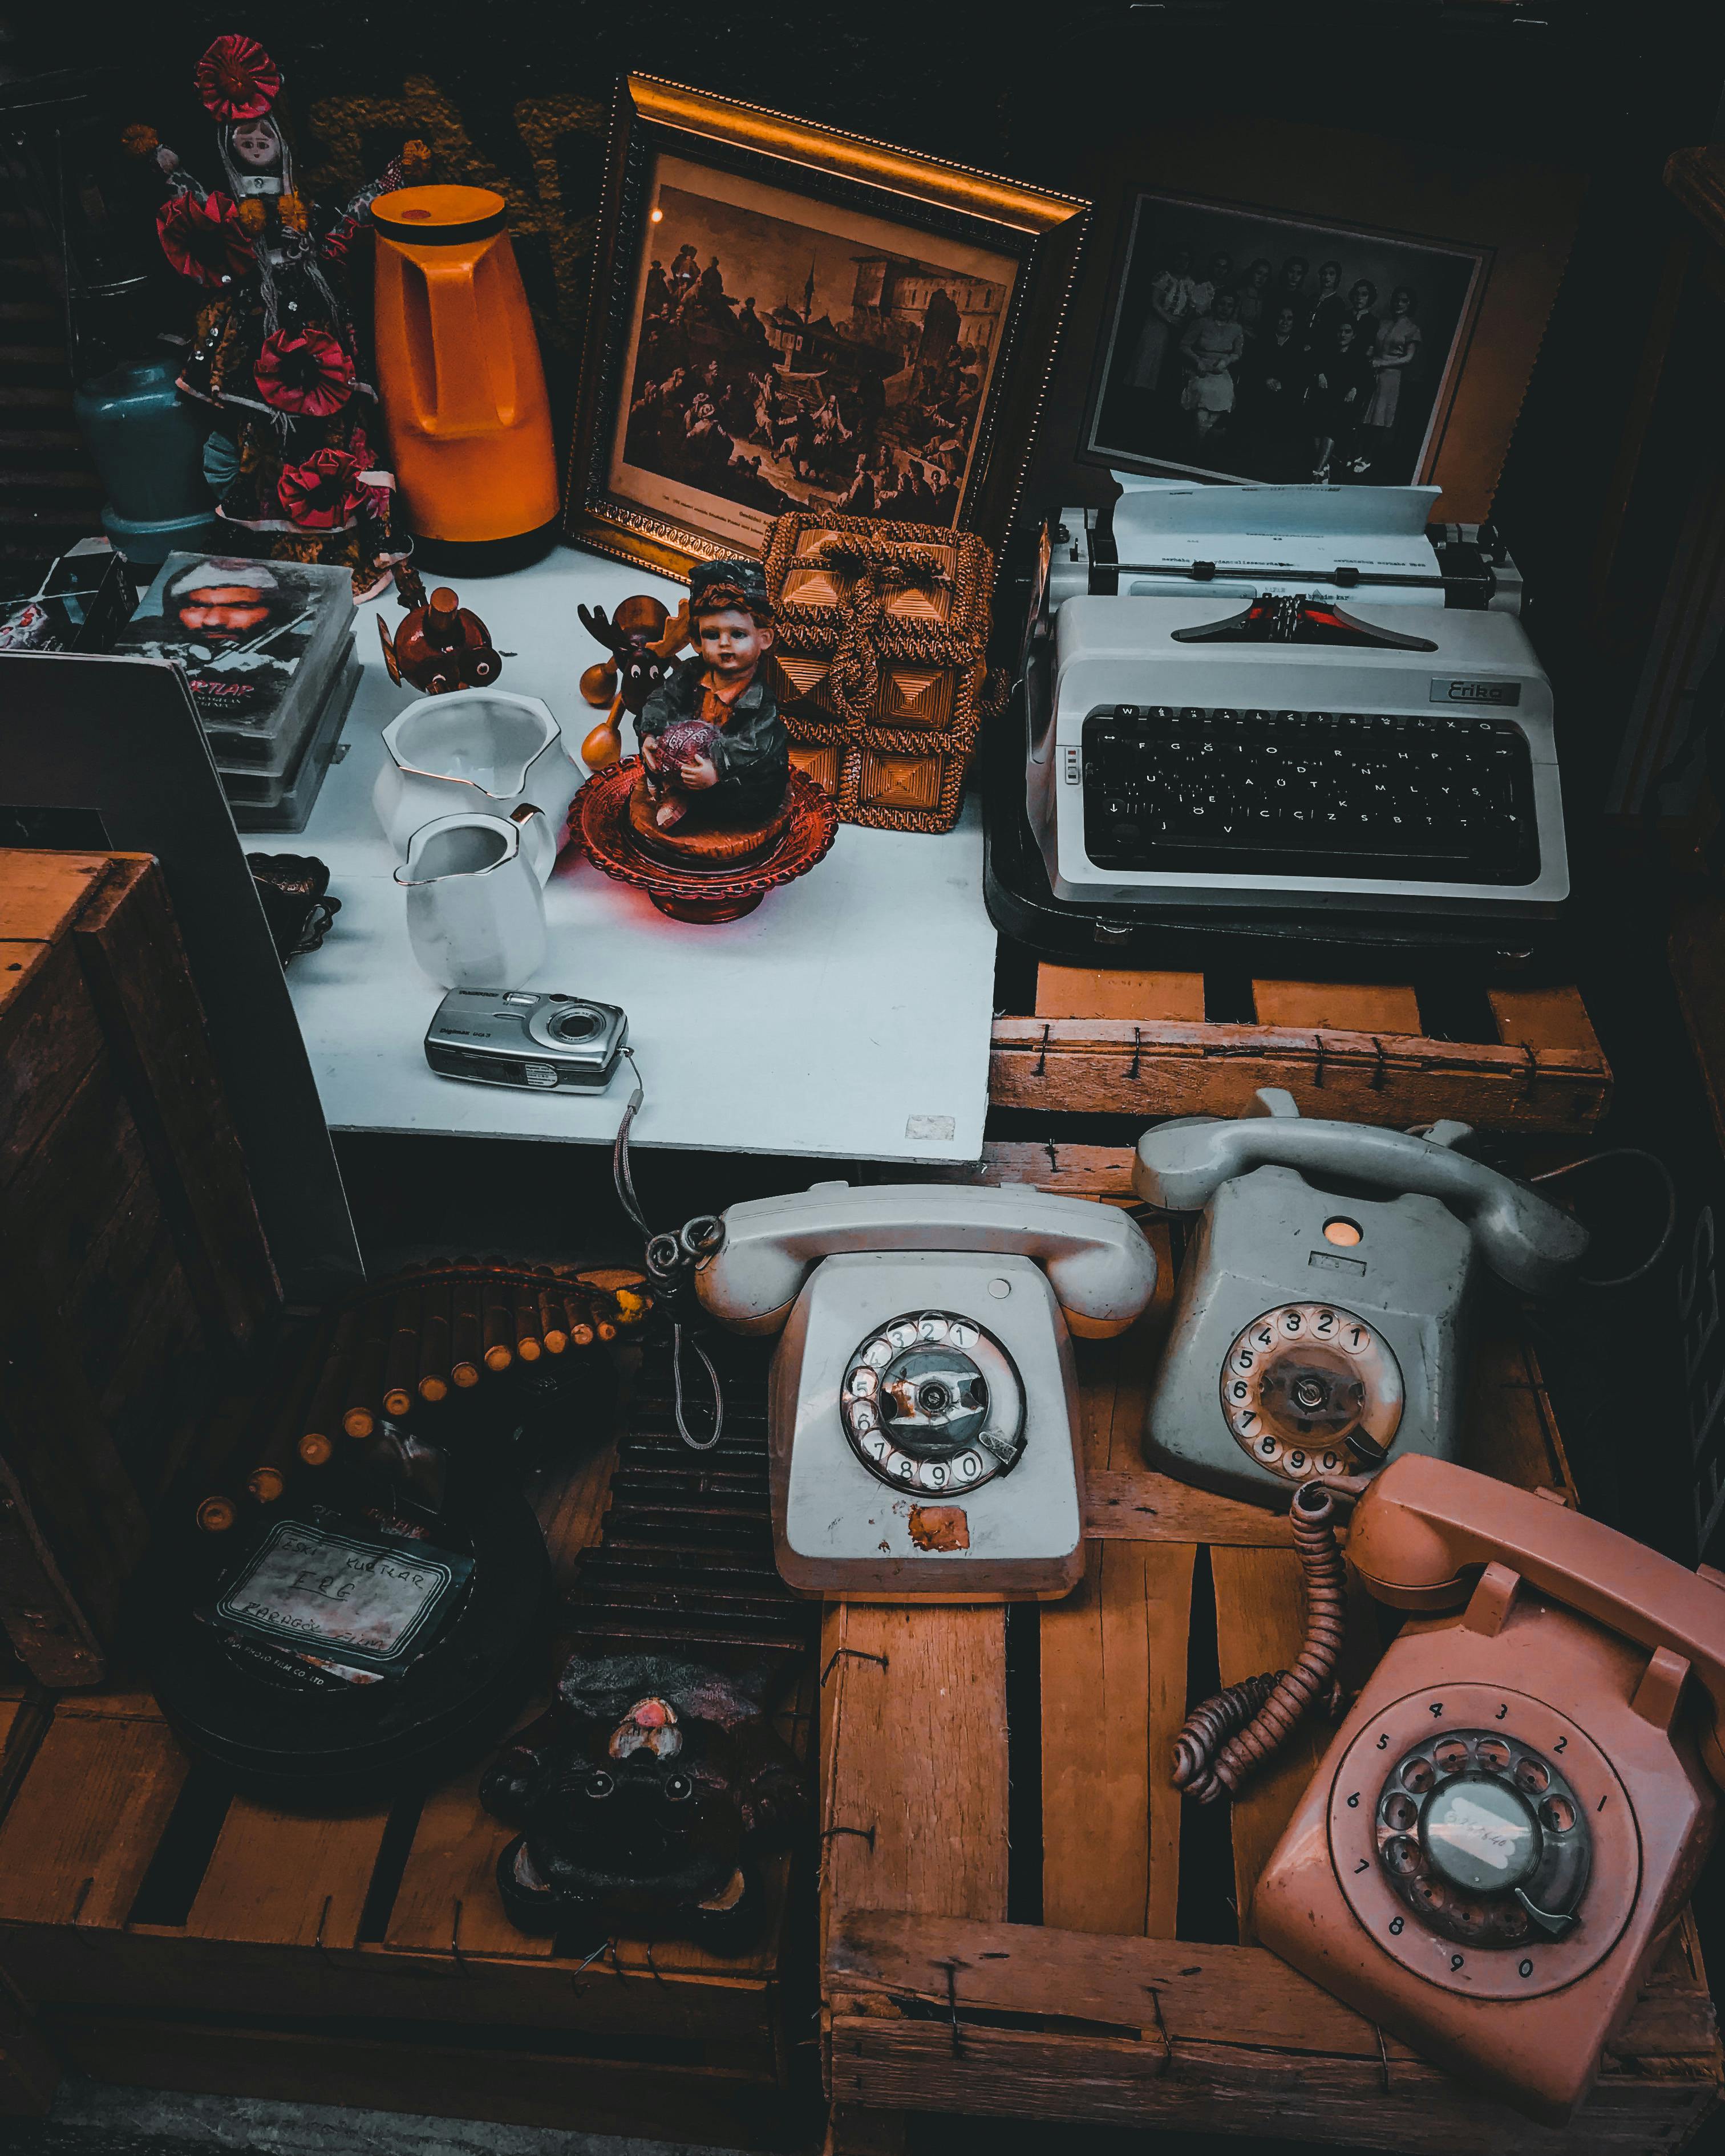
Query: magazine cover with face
(258, 640)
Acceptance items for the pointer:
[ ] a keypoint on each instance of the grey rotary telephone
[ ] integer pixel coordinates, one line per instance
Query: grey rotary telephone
(1321, 1315)
(922, 1421)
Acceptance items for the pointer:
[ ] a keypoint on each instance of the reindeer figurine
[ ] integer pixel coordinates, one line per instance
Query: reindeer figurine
(643, 640)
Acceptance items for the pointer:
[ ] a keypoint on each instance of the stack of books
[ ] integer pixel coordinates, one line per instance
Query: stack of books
(267, 650)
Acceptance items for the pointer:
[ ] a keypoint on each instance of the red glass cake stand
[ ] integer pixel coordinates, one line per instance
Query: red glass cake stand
(599, 817)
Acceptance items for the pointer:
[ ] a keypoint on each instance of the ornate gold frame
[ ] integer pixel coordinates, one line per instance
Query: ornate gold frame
(1042, 231)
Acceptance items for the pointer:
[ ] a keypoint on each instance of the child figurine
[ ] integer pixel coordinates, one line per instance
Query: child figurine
(274, 351)
(715, 753)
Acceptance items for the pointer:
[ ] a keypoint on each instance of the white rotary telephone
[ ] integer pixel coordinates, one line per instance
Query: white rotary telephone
(923, 1424)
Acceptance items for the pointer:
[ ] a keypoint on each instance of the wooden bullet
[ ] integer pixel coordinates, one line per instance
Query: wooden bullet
(401, 1364)
(526, 1325)
(364, 1372)
(578, 1321)
(552, 1329)
(218, 1513)
(467, 1337)
(499, 1324)
(435, 1333)
(322, 1418)
(268, 1481)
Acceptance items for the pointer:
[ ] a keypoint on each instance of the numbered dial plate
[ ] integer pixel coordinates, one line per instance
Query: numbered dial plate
(1309, 1389)
(932, 1404)
(1484, 1841)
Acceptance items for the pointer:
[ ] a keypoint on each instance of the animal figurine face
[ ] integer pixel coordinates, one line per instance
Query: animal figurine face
(642, 1798)
(643, 640)
(440, 644)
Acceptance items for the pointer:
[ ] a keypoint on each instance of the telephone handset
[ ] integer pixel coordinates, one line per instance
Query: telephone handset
(1322, 1308)
(923, 1428)
(1505, 1828)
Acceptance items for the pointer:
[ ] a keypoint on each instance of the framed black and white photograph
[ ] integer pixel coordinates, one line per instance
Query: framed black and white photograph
(1245, 344)
(789, 317)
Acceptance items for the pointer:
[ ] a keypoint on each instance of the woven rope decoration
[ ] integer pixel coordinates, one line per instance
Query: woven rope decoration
(867, 565)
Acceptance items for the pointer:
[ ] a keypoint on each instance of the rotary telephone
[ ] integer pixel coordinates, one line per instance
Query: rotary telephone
(1506, 1826)
(1322, 1308)
(923, 1427)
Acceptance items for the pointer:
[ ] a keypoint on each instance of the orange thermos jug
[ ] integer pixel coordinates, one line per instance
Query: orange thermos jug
(459, 372)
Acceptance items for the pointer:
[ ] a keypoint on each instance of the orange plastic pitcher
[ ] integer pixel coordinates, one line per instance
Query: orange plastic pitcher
(458, 371)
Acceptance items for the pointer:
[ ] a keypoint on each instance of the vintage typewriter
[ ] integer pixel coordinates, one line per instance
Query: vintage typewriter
(1288, 701)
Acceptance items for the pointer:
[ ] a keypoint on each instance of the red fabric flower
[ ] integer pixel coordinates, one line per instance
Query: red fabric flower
(237, 78)
(202, 239)
(307, 371)
(323, 492)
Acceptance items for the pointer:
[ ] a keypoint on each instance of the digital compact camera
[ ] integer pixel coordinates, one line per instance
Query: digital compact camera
(541, 1042)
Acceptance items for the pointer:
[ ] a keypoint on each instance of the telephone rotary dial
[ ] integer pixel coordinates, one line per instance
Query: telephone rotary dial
(1323, 1309)
(1308, 1389)
(932, 1403)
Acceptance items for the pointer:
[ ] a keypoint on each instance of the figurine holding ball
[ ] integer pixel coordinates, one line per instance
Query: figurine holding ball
(715, 753)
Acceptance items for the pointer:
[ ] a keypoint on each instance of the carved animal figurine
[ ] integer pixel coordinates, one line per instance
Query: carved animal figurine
(643, 638)
(641, 1797)
(439, 644)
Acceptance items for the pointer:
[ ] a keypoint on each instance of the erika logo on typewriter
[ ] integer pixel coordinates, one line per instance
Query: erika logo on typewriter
(1475, 692)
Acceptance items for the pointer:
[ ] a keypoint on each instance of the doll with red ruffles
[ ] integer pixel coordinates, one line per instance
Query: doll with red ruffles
(274, 351)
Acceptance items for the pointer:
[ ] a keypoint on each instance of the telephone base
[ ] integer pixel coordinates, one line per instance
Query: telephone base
(874, 1501)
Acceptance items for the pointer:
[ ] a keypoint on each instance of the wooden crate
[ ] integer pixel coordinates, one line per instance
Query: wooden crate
(1139, 1044)
(1020, 1917)
(132, 1258)
(166, 1936)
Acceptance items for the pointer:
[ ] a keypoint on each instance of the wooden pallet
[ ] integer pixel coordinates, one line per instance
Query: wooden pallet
(1090, 2005)
(167, 1937)
(1138, 1044)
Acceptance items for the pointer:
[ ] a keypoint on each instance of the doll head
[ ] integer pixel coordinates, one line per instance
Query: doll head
(731, 616)
(256, 145)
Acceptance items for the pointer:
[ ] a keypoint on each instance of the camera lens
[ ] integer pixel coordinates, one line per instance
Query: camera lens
(580, 1024)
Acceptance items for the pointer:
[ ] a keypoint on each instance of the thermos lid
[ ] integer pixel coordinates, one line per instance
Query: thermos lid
(439, 216)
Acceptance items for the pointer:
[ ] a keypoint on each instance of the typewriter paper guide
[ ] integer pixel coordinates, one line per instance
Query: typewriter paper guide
(1296, 531)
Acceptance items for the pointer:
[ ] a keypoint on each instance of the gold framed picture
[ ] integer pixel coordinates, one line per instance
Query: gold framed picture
(787, 317)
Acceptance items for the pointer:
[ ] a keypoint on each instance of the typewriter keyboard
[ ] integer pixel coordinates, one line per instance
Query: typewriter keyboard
(1318, 794)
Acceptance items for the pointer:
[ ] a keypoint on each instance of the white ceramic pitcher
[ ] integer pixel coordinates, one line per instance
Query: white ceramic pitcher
(476, 901)
(472, 751)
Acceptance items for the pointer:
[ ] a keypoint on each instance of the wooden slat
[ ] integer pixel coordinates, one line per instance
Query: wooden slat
(1260, 1621)
(1338, 1007)
(287, 1878)
(1227, 1994)
(1113, 1687)
(41, 893)
(129, 943)
(913, 1759)
(1169, 2033)
(1509, 1429)
(447, 1900)
(1544, 1018)
(85, 1824)
(1158, 1067)
(1107, 992)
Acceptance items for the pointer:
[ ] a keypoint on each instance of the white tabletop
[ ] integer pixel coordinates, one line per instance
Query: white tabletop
(848, 1016)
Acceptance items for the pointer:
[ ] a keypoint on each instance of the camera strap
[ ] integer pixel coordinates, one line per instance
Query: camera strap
(670, 1259)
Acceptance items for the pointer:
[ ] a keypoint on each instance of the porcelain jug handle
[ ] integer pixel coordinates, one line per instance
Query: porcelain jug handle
(538, 840)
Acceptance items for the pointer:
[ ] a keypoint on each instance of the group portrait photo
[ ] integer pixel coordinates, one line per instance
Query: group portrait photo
(1244, 345)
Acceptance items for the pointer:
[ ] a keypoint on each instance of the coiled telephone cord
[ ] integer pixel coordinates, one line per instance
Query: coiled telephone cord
(1213, 1754)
